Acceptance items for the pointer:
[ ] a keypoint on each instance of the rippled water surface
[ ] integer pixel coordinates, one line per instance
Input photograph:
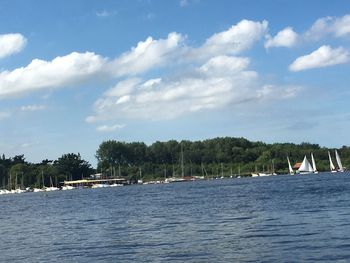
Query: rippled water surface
(270, 219)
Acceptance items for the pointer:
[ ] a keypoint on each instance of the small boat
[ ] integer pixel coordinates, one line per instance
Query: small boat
(290, 167)
(100, 185)
(331, 165)
(51, 188)
(313, 164)
(340, 166)
(68, 187)
(305, 167)
(35, 190)
(116, 185)
(264, 174)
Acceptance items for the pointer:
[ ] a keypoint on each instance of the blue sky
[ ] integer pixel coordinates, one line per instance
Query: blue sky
(76, 73)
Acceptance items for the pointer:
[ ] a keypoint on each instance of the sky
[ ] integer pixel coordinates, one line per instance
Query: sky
(76, 73)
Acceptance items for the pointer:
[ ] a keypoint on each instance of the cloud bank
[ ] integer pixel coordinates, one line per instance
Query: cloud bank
(210, 76)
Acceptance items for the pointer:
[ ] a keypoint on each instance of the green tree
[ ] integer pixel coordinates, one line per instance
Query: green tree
(72, 166)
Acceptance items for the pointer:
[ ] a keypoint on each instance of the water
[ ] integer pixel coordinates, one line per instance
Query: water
(270, 219)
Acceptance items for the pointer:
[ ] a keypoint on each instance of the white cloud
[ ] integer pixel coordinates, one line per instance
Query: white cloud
(236, 39)
(210, 76)
(123, 87)
(147, 55)
(282, 92)
(63, 71)
(77, 68)
(285, 38)
(335, 26)
(220, 82)
(11, 44)
(220, 64)
(323, 57)
(33, 108)
(106, 128)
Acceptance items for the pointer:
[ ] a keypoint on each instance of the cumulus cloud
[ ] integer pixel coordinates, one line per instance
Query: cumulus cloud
(213, 77)
(220, 82)
(209, 76)
(76, 68)
(335, 26)
(285, 38)
(11, 44)
(33, 107)
(63, 71)
(322, 28)
(236, 39)
(106, 128)
(147, 55)
(323, 57)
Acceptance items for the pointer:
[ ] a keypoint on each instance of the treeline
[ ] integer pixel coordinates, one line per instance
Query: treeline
(212, 157)
(17, 172)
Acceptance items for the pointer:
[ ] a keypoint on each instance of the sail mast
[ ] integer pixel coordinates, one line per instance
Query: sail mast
(182, 163)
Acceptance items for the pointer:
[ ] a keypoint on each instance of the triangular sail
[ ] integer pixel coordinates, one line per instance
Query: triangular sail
(305, 166)
(337, 157)
(289, 166)
(313, 162)
(331, 165)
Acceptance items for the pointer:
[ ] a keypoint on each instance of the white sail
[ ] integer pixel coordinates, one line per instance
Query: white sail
(331, 165)
(337, 157)
(305, 166)
(313, 163)
(290, 167)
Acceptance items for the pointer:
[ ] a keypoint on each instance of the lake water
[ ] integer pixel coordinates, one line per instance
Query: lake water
(270, 219)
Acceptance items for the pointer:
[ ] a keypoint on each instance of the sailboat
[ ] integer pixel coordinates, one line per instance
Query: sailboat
(305, 167)
(340, 166)
(331, 165)
(290, 167)
(176, 179)
(313, 164)
(51, 188)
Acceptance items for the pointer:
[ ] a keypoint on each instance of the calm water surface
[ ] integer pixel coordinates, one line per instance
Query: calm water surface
(270, 219)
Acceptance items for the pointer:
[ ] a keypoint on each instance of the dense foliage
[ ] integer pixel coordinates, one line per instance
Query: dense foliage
(17, 172)
(212, 157)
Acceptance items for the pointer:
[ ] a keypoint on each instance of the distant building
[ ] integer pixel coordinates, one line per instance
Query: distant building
(96, 176)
